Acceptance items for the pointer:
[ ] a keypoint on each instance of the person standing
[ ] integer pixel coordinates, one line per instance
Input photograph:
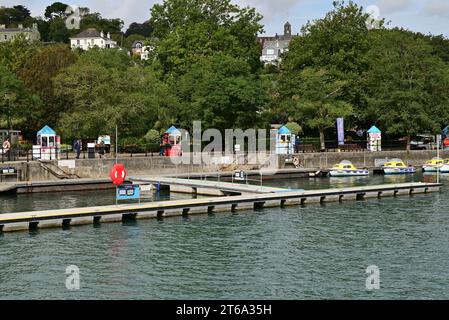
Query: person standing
(446, 143)
(77, 148)
(7, 148)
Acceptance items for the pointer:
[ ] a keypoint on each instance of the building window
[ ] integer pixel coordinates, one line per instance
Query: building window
(6, 37)
(270, 51)
(78, 42)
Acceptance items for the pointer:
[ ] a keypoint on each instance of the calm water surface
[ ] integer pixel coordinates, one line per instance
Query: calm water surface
(310, 252)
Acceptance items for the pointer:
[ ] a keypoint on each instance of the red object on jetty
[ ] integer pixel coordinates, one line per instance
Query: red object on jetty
(118, 174)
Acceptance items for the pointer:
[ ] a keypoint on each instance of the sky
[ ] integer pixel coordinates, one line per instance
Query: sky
(425, 16)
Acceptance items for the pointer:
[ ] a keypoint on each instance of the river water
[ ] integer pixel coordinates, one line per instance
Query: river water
(309, 252)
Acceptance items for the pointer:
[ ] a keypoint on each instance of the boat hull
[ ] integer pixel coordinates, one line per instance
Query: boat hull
(431, 168)
(445, 168)
(410, 170)
(348, 173)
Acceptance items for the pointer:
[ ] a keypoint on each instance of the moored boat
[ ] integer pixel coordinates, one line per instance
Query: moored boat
(445, 167)
(347, 169)
(397, 166)
(433, 165)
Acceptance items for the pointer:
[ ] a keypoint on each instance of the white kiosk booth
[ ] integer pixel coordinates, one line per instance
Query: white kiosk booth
(285, 141)
(48, 145)
(374, 139)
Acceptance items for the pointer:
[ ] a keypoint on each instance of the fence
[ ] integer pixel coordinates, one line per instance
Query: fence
(306, 146)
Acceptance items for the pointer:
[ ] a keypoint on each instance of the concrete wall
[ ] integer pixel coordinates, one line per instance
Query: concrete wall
(99, 168)
(363, 159)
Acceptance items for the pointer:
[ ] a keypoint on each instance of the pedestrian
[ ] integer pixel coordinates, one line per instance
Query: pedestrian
(101, 148)
(446, 143)
(77, 148)
(297, 144)
(6, 146)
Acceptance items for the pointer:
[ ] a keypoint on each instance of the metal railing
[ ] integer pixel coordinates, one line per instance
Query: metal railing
(19, 154)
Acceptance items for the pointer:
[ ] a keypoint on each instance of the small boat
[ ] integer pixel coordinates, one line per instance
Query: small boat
(445, 167)
(397, 166)
(347, 169)
(433, 165)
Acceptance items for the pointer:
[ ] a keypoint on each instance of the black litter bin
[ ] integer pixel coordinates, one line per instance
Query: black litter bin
(91, 150)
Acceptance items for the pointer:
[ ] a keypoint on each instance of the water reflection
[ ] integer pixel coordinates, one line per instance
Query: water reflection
(317, 252)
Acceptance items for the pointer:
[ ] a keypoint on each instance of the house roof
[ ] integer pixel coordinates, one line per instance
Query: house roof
(89, 33)
(17, 30)
(46, 130)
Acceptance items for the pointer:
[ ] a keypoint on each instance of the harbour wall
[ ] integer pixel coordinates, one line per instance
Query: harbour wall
(99, 168)
(362, 159)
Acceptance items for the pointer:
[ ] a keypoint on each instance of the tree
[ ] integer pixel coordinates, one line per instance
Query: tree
(143, 29)
(191, 29)
(407, 85)
(318, 100)
(37, 75)
(338, 43)
(222, 92)
(56, 10)
(294, 127)
(104, 92)
(14, 102)
(14, 54)
(15, 15)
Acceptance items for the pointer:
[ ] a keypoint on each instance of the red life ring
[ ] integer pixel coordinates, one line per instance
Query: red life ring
(118, 174)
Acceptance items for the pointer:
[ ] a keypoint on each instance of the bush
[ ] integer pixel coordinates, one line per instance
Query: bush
(294, 128)
(153, 137)
(137, 145)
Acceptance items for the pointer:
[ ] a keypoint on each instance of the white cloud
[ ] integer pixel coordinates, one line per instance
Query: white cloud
(390, 6)
(437, 8)
(271, 8)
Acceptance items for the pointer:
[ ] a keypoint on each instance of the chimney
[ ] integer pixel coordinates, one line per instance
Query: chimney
(35, 26)
(102, 34)
(20, 26)
(109, 35)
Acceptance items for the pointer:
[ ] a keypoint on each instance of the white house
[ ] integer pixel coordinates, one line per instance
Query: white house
(274, 47)
(91, 38)
(7, 34)
(139, 49)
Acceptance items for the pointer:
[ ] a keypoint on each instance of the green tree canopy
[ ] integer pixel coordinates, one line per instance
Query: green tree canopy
(222, 92)
(37, 75)
(56, 10)
(15, 104)
(15, 15)
(407, 84)
(189, 30)
(102, 96)
(337, 43)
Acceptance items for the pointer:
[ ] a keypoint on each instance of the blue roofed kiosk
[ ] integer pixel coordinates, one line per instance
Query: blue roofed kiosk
(171, 141)
(374, 139)
(48, 144)
(285, 141)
